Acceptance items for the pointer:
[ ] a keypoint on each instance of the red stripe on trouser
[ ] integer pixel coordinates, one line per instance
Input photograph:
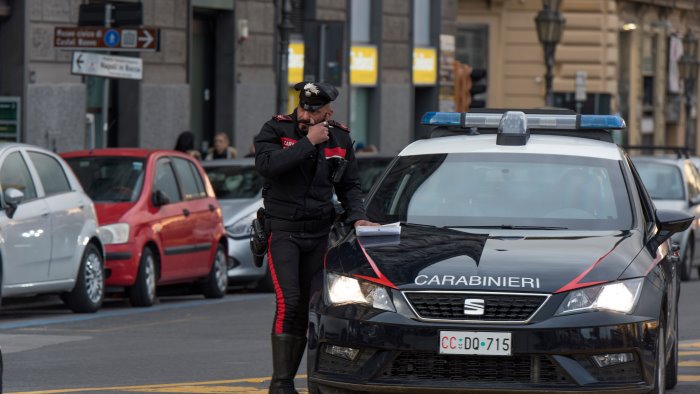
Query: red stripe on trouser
(279, 320)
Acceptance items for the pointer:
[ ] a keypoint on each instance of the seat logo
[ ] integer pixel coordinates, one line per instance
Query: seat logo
(474, 306)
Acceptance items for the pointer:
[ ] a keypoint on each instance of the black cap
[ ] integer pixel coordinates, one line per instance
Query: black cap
(314, 95)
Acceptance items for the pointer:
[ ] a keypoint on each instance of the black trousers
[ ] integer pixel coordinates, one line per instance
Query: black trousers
(295, 261)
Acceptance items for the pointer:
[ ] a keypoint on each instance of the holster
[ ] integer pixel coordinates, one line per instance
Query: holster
(258, 238)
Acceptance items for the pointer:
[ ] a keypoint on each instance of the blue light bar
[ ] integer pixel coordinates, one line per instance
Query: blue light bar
(442, 119)
(601, 122)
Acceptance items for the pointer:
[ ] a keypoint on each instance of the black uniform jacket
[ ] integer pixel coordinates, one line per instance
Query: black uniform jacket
(298, 175)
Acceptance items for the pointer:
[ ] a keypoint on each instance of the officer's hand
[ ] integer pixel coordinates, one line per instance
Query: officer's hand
(366, 223)
(318, 133)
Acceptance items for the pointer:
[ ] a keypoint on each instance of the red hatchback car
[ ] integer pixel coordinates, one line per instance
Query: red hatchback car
(159, 220)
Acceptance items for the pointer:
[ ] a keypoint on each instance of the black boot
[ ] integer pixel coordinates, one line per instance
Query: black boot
(287, 351)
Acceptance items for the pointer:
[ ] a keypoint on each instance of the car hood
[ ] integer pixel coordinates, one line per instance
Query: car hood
(112, 212)
(444, 259)
(236, 209)
(676, 205)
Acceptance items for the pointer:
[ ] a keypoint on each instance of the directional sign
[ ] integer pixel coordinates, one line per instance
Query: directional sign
(107, 39)
(90, 63)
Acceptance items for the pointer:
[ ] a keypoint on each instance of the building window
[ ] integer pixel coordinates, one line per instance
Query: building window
(421, 23)
(471, 45)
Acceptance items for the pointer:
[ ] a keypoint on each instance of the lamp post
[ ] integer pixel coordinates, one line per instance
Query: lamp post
(688, 69)
(550, 25)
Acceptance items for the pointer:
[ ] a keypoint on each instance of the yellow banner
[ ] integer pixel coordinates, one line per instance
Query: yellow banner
(295, 62)
(363, 65)
(424, 66)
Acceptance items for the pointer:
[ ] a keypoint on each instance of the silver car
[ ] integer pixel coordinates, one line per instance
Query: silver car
(674, 183)
(48, 230)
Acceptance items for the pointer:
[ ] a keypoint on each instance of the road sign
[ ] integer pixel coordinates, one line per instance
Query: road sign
(90, 63)
(9, 119)
(106, 39)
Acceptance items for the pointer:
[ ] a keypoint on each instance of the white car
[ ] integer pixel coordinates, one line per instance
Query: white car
(48, 230)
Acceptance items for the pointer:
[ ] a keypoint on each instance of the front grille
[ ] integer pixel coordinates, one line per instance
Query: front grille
(629, 372)
(497, 306)
(427, 366)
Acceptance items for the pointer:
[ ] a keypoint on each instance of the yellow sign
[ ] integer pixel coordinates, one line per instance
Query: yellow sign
(363, 65)
(295, 62)
(424, 66)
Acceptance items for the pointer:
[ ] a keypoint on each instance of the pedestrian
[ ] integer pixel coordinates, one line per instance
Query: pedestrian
(221, 149)
(303, 156)
(185, 143)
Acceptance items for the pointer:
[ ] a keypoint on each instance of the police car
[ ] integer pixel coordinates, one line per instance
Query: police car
(529, 258)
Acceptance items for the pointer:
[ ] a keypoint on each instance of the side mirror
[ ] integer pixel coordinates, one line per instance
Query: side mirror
(12, 199)
(160, 198)
(670, 222)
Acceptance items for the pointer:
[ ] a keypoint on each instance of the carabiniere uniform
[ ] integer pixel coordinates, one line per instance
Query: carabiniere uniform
(298, 196)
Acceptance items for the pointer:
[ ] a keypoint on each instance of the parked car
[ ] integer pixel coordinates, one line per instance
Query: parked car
(159, 220)
(674, 183)
(48, 230)
(528, 257)
(238, 186)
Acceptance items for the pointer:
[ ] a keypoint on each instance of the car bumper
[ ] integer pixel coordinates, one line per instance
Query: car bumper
(398, 354)
(242, 268)
(121, 264)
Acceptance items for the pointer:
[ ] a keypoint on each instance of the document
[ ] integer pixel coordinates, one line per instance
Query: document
(372, 231)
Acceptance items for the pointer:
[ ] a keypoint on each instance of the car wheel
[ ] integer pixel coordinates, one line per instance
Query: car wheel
(660, 371)
(89, 290)
(143, 292)
(217, 281)
(687, 262)
(672, 363)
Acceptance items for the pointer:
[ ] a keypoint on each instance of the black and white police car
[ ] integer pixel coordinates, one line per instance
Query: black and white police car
(530, 258)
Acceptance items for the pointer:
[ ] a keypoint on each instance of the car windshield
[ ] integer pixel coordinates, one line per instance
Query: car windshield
(235, 181)
(504, 191)
(369, 170)
(662, 181)
(110, 179)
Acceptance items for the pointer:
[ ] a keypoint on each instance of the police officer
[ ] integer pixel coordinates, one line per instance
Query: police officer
(303, 156)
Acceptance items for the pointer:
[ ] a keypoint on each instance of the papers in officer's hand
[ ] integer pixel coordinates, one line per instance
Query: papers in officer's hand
(373, 231)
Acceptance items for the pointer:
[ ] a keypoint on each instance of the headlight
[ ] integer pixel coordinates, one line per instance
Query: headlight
(347, 290)
(241, 228)
(117, 233)
(619, 296)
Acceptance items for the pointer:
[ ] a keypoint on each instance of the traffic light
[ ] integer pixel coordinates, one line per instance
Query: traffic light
(477, 88)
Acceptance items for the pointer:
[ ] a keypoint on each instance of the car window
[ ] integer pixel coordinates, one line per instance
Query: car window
(692, 180)
(165, 181)
(662, 181)
(198, 179)
(51, 173)
(369, 171)
(190, 184)
(494, 190)
(647, 204)
(235, 181)
(109, 179)
(15, 174)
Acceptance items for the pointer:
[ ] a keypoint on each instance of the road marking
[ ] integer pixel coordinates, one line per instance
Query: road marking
(689, 363)
(689, 378)
(690, 353)
(215, 386)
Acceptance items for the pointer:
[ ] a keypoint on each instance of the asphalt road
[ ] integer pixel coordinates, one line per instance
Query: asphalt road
(185, 345)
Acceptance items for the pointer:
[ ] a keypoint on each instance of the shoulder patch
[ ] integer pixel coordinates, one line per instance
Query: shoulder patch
(282, 118)
(339, 125)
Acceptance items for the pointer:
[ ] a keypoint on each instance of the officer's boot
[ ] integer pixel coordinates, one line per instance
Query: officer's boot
(287, 351)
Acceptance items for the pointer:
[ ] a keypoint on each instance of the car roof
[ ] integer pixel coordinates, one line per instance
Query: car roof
(247, 161)
(537, 144)
(129, 152)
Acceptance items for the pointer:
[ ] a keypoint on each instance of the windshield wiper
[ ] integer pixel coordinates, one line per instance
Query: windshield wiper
(512, 227)
(420, 225)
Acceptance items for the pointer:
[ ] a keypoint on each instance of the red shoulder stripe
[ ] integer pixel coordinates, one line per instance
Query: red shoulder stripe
(283, 118)
(339, 125)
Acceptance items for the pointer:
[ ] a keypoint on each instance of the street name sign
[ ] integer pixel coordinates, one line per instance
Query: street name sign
(106, 38)
(90, 63)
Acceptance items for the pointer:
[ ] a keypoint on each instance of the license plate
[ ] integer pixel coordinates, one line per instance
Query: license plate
(476, 342)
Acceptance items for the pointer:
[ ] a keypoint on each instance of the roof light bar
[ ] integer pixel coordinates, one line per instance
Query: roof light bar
(534, 121)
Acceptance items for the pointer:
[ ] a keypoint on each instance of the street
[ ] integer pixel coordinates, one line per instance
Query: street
(184, 344)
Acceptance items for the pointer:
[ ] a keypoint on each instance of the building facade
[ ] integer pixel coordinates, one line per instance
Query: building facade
(217, 69)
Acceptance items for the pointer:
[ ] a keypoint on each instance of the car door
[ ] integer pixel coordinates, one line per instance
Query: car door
(26, 246)
(198, 210)
(67, 214)
(693, 185)
(173, 226)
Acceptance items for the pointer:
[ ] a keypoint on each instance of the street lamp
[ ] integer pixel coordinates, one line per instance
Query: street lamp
(550, 25)
(688, 69)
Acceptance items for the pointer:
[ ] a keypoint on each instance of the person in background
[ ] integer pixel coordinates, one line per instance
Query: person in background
(221, 149)
(185, 143)
(304, 157)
